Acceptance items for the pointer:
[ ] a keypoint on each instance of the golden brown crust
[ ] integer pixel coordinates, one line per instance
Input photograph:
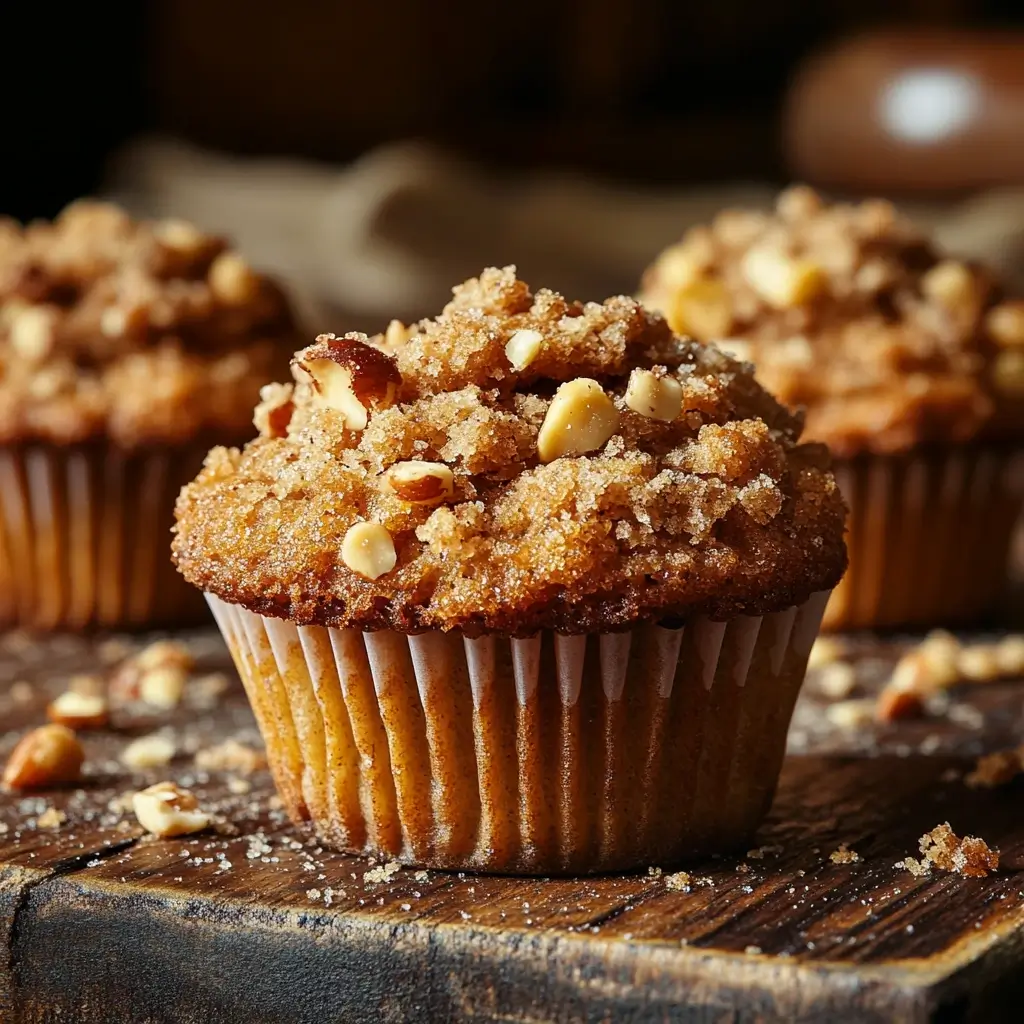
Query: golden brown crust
(142, 333)
(718, 511)
(850, 312)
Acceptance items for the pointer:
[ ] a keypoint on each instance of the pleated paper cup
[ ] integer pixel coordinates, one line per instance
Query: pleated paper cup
(929, 537)
(85, 537)
(553, 754)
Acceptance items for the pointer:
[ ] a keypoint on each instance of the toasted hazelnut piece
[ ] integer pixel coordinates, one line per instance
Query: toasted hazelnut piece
(33, 333)
(422, 483)
(798, 202)
(180, 236)
(950, 284)
(152, 751)
(780, 280)
(232, 280)
(47, 756)
(979, 663)
(851, 714)
(166, 810)
(348, 375)
(165, 654)
(1009, 654)
(701, 308)
(1008, 372)
(657, 398)
(1005, 324)
(369, 550)
(894, 704)
(163, 687)
(581, 418)
(523, 348)
(275, 410)
(79, 711)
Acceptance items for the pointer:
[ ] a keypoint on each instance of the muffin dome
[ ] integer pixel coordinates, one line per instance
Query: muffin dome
(850, 312)
(139, 333)
(521, 462)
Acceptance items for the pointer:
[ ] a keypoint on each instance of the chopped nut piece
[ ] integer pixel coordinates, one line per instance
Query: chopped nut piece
(348, 375)
(32, 333)
(152, 751)
(163, 687)
(894, 704)
(837, 680)
(78, 711)
(951, 284)
(369, 550)
(1009, 654)
(421, 483)
(851, 714)
(396, 334)
(274, 413)
(701, 308)
(523, 348)
(580, 419)
(51, 818)
(1005, 323)
(180, 236)
(48, 756)
(979, 663)
(232, 280)
(781, 281)
(233, 756)
(824, 651)
(165, 654)
(166, 810)
(938, 654)
(658, 398)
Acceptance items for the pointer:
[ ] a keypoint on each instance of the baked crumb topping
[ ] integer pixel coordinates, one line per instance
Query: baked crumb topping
(944, 850)
(143, 332)
(852, 313)
(419, 480)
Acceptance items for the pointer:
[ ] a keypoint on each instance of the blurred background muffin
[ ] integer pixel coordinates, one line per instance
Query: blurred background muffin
(910, 366)
(126, 349)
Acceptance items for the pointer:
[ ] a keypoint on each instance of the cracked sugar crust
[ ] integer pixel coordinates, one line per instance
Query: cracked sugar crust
(718, 511)
(138, 332)
(852, 313)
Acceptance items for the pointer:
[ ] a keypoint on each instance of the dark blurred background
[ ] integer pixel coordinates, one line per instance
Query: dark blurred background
(646, 91)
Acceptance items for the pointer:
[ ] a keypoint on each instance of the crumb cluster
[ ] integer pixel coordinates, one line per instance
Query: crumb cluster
(539, 501)
(142, 332)
(851, 312)
(946, 851)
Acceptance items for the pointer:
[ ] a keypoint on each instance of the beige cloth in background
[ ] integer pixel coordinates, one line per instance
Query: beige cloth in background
(391, 233)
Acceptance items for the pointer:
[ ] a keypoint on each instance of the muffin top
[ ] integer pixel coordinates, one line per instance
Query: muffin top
(521, 462)
(141, 333)
(850, 312)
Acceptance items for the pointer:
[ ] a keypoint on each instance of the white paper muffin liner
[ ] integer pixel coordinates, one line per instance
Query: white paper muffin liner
(85, 537)
(552, 754)
(928, 535)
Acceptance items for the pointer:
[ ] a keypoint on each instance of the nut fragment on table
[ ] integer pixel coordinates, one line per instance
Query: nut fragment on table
(79, 710)
(152, 751)
(167, 810)
(163, 687)
(48, 756)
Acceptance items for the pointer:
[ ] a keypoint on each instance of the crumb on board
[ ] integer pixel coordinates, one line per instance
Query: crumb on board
(844, 855)
(996, 769)
(945, 851)
(233, 756)
(678, 882)
(382, 874)
(51, 818)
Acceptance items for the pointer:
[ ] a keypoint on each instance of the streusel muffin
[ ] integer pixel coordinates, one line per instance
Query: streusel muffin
(126, 350)
(910, 367)
(529, 587)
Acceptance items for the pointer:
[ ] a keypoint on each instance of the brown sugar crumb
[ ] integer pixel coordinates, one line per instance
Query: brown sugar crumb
(945, 851)
(139, 331)
(850, 311)
(231, 756)
(572, 509)
(844, 855)
(918, 868)
(996, 769)
(680, 881)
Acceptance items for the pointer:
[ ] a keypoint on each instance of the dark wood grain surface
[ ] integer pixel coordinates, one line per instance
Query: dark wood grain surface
(255, 921)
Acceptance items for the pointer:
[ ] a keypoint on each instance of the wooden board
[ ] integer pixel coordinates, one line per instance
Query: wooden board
(259, 923)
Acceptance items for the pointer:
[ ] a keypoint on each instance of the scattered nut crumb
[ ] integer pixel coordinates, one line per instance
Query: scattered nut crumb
(678, 882)
(167, 810)
(837, 680)
(382, 874)
(231, 756)
(843, 855)
(825, 651)
(851, 714)
(163, 687)
(152, 751)
(944, 850)
(51, 818)
(48, 756)
(79, 710)
(165, 654)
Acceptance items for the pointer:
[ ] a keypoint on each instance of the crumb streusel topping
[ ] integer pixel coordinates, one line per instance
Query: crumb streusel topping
(850, 312)
(138, 332)
(521, 462)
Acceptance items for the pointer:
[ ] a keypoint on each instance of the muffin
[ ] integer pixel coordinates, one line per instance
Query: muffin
(126, 350)
(529, 587)
(910, 367)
